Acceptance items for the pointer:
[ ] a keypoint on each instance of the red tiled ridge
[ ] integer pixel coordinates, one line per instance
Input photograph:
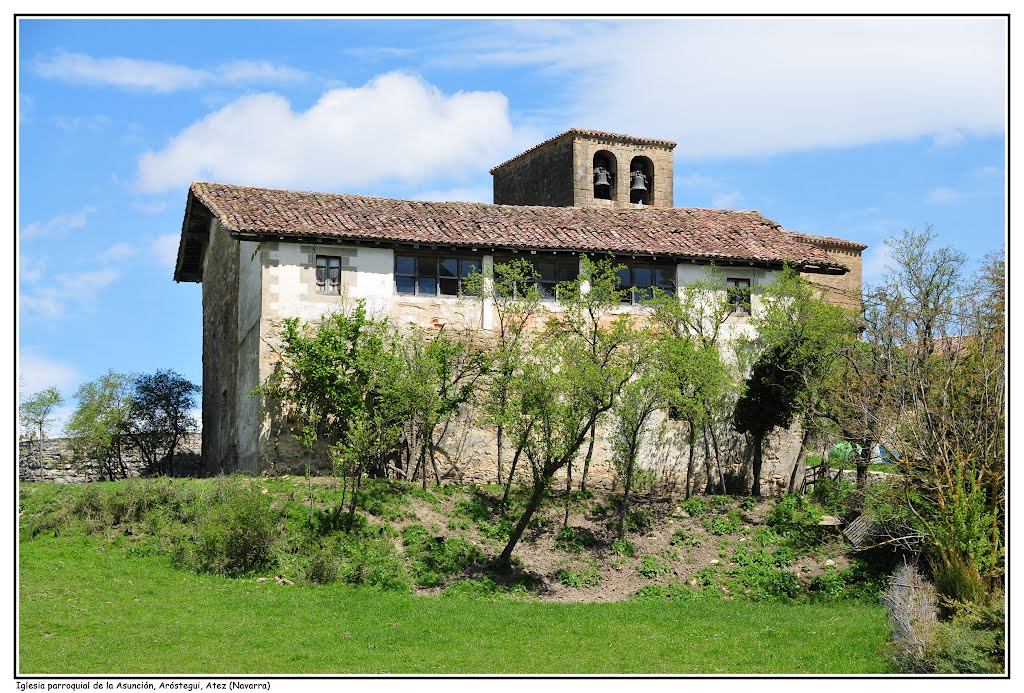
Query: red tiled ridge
(589, 133)
(827, 240)
(657, 231)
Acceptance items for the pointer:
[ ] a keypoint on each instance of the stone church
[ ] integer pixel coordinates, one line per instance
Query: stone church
(263, 255)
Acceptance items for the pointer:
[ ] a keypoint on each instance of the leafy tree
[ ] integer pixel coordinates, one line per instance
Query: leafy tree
(576, 369)
(798, 343)
(441, 376)
(512, 291)
(648, 391)
(36, 410)
(938, 347)
(160, 416)
(98, 425)
(338, 381)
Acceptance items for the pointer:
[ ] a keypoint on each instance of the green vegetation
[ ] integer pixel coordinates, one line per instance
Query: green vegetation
(77, 596)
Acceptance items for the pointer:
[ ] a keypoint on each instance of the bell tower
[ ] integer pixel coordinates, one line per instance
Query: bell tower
(586, 168)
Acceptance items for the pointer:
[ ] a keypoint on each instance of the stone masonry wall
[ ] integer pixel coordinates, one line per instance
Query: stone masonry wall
(541, 177)
(54, 460)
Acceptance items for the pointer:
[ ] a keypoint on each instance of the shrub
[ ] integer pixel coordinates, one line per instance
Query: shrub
(830, 586)
(235, 536)
(624, 547)
(796, 519)
(694, 506)
(373, 561)
(321, 568)
(973, 641)
(652, 566)
(766, 583)
(639, 520)
(748, 503)
(722, 524)
(673, 591)
(572, 540)
(681, 537)
(719, 501)
(587, 576)
(833, 494)
(434, 559)
(483, 587)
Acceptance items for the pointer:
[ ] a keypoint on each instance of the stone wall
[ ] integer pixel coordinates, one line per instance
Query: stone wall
(54, 460)
(542, 176)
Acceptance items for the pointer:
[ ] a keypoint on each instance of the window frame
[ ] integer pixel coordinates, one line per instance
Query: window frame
(327, 287)
(543, 285)
(740, 295)
(420, 258)
(634, 297)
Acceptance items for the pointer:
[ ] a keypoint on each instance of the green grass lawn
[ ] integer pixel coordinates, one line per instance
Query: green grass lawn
(88, 609)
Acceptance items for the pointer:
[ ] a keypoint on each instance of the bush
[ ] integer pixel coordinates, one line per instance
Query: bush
(766, 583)
(748, 503)
(434, 559)
(722, 524)
(484, 587)
(587, 576)
(673, 591)
(681, 537)
(973, 641)
(694, 506)
(830, 586)
(833, 494)
(371, 560)
(235, 536)
(653, 566)
(639, 520)
(796, 519)
(624, 547)
(572, 540)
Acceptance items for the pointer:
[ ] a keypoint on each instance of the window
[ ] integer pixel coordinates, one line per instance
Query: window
(433, 275)
(739, 295)
(550, 273)
(328, 275)
(642, 278)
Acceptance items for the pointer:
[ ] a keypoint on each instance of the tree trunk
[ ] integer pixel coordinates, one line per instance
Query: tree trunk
(433, 464)
(501, 444)
(511, 475)
(422, 465)
(568, 493)
(801, 457)
(524, 521)
(590, 455)
(691, 442)
(355, 495)
(625, 494)
(863, 460)
(758, 445)
(718, 457)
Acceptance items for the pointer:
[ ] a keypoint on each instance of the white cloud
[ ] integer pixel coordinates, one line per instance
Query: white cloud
(944, 195)
(37, 373)
(165, 248)
(150, 206)
(753, 86)
(396, 126)
(156, 76)
(116, 253)
(479, 193)
(727, 200)
(50, 301)
(71, 123)
(59, 223)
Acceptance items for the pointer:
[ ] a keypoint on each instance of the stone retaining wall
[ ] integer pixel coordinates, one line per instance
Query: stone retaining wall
(54, 460)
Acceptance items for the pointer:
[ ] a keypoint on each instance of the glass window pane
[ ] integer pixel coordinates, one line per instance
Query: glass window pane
(449, 287)
(449, 267)
(568, 270)
(623, 275)
(426, 266)
(469, 267)
(642, 276)
(321, 261)
(405, 285)
(321, 274)
(665, 278)
(405, 264)
(546, 271)
(334, 262)
(426, 286)
(547, 290)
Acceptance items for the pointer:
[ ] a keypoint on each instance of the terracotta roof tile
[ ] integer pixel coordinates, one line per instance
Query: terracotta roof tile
(712, 234)
(589, 133)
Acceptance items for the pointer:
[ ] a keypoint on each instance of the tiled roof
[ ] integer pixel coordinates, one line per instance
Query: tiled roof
(589, 133)
(828, 240)
(710, 234)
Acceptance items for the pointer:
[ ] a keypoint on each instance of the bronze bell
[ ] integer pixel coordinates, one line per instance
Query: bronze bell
(639, 181)
(601, 179)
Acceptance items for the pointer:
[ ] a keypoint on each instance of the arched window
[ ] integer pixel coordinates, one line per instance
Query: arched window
(641, 181)
(604, 175)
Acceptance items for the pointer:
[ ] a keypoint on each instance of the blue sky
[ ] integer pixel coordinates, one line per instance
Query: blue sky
(854, 127)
